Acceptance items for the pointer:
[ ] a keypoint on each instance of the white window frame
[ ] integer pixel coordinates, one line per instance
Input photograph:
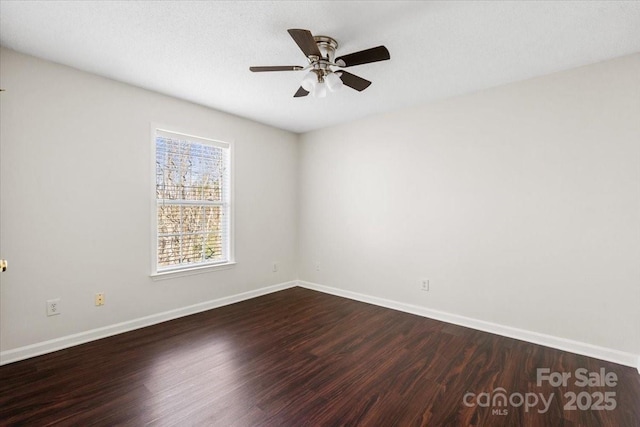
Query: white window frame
(199, 268)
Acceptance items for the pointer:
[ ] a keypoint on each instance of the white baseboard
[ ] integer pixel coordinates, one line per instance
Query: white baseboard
(602, 353)
(49, 346)
(597, 352)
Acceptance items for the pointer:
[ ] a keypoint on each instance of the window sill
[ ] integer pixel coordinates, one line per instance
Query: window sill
(191, 271)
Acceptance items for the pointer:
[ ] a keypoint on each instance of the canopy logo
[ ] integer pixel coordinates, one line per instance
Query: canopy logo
(499, 400)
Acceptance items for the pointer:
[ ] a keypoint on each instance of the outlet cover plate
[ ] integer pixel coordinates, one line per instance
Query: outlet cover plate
(53, 307)
(99, 299)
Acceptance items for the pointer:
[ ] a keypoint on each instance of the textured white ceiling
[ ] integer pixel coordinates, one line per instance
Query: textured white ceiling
(201, 51)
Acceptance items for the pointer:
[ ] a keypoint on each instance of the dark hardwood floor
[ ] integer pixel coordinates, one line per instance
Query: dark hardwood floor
(299, 357)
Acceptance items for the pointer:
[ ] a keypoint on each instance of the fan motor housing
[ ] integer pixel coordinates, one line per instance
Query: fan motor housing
(327, 47)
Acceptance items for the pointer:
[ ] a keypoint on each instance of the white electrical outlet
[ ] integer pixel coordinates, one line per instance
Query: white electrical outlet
(317, 266)
(424, 285)
(53, 307)
(274, 267)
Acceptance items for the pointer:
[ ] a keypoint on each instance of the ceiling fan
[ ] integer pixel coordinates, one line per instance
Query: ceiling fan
(320, 52)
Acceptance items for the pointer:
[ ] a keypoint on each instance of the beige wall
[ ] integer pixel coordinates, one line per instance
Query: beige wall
(521, 204)
(75, 207)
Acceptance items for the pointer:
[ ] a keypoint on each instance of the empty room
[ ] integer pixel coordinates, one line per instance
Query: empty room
(320, 213)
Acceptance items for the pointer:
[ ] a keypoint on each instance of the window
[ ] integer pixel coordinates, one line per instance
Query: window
(192, 202)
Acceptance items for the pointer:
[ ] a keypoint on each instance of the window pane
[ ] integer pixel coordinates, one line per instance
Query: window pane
(213, 247)
(192, 219)
(192, 182)
(168, 219)
(212, 174)
(189, 171)
(213, 219)
(168, 251)
(191, 248)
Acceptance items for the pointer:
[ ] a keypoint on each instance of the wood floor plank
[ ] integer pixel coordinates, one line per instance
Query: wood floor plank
(299, 357)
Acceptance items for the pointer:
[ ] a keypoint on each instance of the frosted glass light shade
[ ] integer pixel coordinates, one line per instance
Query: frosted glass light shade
(309, 81)
(320, 91)
(334, 82)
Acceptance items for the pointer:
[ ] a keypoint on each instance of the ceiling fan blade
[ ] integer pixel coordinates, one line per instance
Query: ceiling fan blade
(276, 68)
(301, 92)
(367, 56)
(306, 43)
(353, 81)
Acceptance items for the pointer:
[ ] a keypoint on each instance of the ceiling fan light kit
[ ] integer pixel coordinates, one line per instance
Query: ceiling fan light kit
(317, 83)
(320, 53)
(334, 82)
